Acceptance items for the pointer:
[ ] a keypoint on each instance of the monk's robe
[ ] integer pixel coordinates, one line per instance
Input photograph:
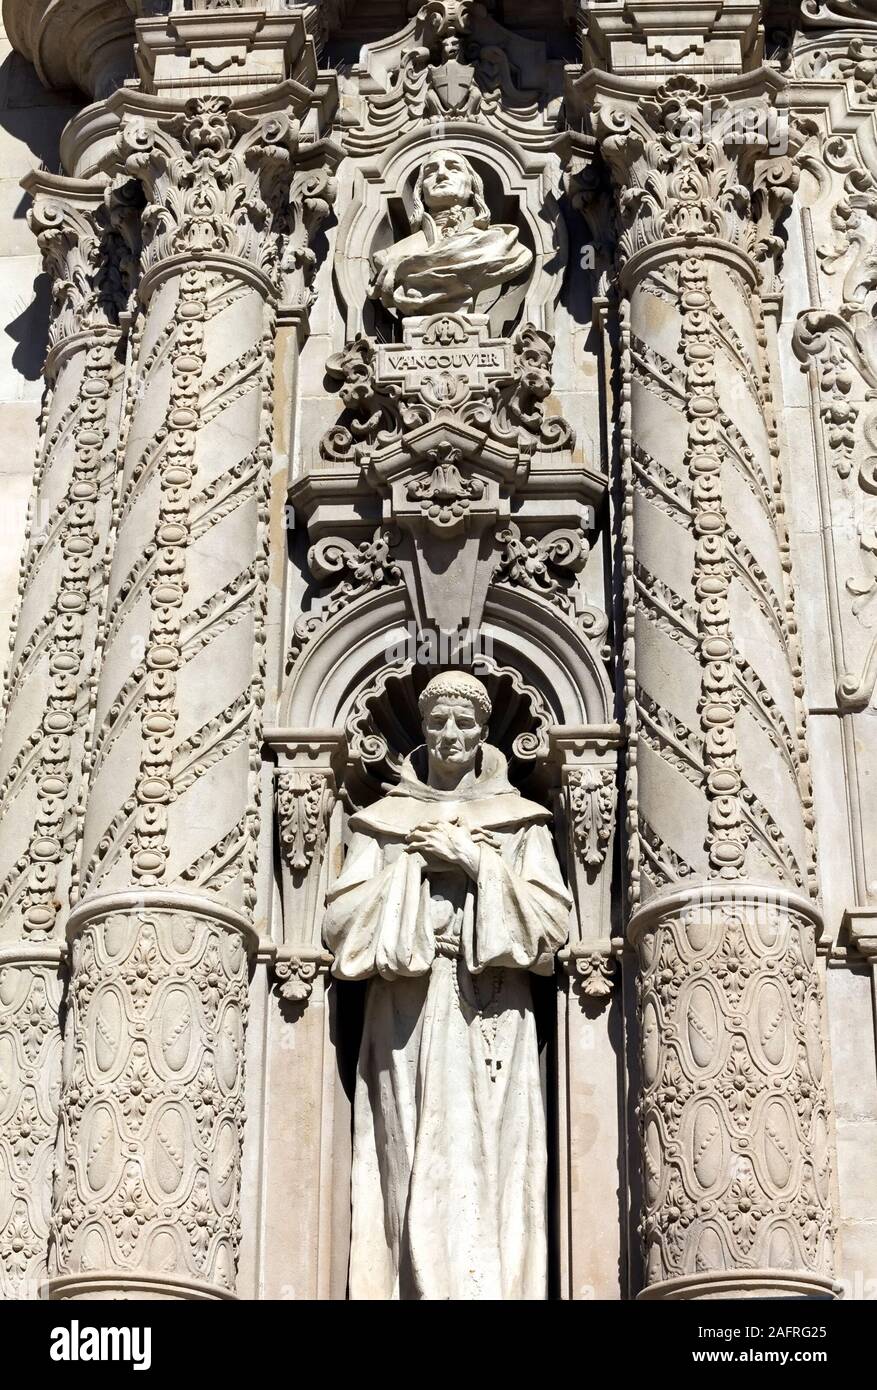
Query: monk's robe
(449, 1150)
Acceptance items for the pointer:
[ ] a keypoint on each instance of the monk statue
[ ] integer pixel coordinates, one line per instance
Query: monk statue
(450, 893)
(455, 255)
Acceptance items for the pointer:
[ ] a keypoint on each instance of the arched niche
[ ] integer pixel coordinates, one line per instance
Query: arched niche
(520, 187)
(352, 685)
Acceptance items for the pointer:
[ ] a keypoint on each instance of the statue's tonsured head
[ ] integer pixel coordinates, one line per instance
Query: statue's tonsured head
(447, 180)
(456, 685)
(455, 708)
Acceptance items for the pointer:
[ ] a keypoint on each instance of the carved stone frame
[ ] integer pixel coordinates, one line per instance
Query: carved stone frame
(532, 179)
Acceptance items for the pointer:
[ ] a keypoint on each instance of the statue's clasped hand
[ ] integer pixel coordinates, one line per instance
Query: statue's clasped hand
(447, 842)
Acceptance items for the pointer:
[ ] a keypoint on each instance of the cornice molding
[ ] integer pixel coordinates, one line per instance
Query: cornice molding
(97, 45)
(88, 138)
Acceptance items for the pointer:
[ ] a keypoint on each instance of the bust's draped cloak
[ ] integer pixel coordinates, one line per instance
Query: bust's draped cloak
(449, 1162)
(439, 274)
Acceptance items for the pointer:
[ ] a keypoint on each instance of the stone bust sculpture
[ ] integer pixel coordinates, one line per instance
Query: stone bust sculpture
(450, 893)
(455, 254)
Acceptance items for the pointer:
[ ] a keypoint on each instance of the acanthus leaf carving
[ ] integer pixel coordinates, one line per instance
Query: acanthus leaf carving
(296, 970)
(311, 196)
(852, 60)
(545, 565)
(595, 973)
(88, 236)
(379, 412)
(355, 570)
(220, 182)
(693, 164)
(591, 802)
(304, 804)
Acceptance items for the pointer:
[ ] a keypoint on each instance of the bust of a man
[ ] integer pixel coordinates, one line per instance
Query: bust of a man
(454, 255)
(450, 896)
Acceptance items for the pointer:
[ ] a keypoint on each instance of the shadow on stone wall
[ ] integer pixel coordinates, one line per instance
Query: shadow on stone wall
(31, 120)
(30, 330)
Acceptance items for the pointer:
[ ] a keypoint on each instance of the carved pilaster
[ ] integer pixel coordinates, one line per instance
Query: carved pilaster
(305, 792)
(838, 346)
(718, 794)
(586, 811)
(171, 827)
(833, 70)
(861, 924)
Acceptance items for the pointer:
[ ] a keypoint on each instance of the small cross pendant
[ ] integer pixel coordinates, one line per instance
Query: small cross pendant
(493, 1066)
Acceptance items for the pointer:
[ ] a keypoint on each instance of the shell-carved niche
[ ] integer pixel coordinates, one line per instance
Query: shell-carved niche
(383, 725)
(463, 222)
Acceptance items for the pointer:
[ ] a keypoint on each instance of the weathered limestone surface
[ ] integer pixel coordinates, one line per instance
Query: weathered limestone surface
(348, 345)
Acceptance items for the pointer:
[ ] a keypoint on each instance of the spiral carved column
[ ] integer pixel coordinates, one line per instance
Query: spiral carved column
(146, 1203)
(81, 228)
(733, 1110)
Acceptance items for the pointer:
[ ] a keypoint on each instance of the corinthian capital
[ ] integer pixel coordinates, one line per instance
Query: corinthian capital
(694, 162)
(87, 232)
(217, 183)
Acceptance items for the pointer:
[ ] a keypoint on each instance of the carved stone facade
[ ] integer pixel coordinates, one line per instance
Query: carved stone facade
(534, 343)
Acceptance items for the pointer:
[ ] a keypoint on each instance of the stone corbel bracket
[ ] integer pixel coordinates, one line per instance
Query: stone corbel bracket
(586, 763)
(307, 763)
(592, 969)
(447, 496)
(295, 970)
